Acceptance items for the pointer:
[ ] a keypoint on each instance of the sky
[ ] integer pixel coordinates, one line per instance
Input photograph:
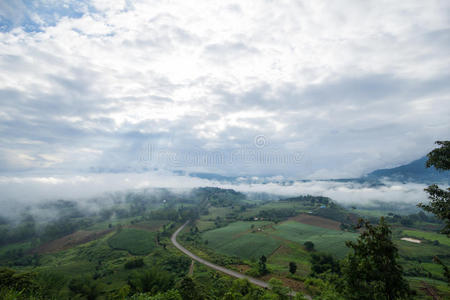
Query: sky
(90, 90)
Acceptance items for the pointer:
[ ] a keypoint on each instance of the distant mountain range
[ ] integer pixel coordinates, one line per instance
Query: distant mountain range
(415, 171)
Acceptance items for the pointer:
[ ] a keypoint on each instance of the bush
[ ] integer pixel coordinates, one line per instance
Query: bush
(135, 263)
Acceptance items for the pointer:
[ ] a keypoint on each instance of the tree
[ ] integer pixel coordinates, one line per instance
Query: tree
(439, 198)
(292, 267)
(371, 270)
(188, 289)
(276, 285)
(324, 263)
(262, 268)
(309, 246)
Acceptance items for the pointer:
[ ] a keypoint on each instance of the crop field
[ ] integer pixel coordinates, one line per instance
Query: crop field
(290, 252)
(423, 250)
(325, 240)
(317, 221)
(214, 212)
(239, 239)
(135, 241)
(430, 236)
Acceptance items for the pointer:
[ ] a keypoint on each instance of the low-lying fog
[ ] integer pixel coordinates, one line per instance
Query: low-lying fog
(21, 192)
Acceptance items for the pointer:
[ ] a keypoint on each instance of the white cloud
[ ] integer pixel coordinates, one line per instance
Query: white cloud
(352, 85)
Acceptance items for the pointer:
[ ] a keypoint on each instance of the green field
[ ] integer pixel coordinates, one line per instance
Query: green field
(237, 239)
(325, 240)
(430, 236)
(135, 241)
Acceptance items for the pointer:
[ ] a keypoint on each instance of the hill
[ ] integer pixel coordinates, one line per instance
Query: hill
(415, 171)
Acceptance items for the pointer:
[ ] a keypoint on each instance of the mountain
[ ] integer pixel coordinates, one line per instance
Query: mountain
(415, 171)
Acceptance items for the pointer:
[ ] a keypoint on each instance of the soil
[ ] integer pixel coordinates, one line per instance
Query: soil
(70, 241)
(316, 221)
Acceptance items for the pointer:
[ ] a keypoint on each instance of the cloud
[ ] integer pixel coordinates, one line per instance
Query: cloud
(21, 192)
(86, 85)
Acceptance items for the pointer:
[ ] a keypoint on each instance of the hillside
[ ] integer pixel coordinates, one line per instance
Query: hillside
(416, 171)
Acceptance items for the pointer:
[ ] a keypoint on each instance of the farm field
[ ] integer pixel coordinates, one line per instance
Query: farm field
(324, 239)
(429, 236)
(422, 250)
(316, 221)
(135, 241)
(239, 239)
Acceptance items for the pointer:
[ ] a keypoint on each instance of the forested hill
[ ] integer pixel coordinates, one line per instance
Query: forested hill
(415, 171)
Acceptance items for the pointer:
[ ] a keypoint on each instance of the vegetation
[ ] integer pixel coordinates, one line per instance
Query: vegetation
(124, 251)
(135, 241)
(371, 270)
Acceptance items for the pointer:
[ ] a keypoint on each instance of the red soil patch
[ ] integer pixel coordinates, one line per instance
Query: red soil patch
(316, 221)
(69, 241)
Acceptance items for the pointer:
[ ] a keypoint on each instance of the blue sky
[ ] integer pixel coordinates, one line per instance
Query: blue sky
(303, 89)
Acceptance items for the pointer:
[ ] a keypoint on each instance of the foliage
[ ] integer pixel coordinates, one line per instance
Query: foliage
(262, 267)
(277, 287)
(169, 295)
(439, 205)
(135, 263)
(371, 271)
(440, 157)
(309, 245)
(151, 281)
(439, 198)
(85, 287)
(292, 267)
(188, 289)
(322, 262)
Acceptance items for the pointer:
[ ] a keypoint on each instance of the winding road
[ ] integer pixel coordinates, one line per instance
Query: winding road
(258, 282)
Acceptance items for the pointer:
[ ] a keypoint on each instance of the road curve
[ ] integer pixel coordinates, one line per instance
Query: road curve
(258, 282)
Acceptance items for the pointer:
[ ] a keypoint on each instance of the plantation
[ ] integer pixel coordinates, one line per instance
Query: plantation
(325, 240)
(240, 239)
(135, 241)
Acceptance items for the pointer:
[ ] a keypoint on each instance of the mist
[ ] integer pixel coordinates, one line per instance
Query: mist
(93, 192)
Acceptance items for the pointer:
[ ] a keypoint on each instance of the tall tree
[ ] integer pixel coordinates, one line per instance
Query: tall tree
(439, 198)
(371, 270)
(262, 268)
(439, 203)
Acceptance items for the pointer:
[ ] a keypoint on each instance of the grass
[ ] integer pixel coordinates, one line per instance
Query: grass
(325, 240)
(430, 236)
(135, 241)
